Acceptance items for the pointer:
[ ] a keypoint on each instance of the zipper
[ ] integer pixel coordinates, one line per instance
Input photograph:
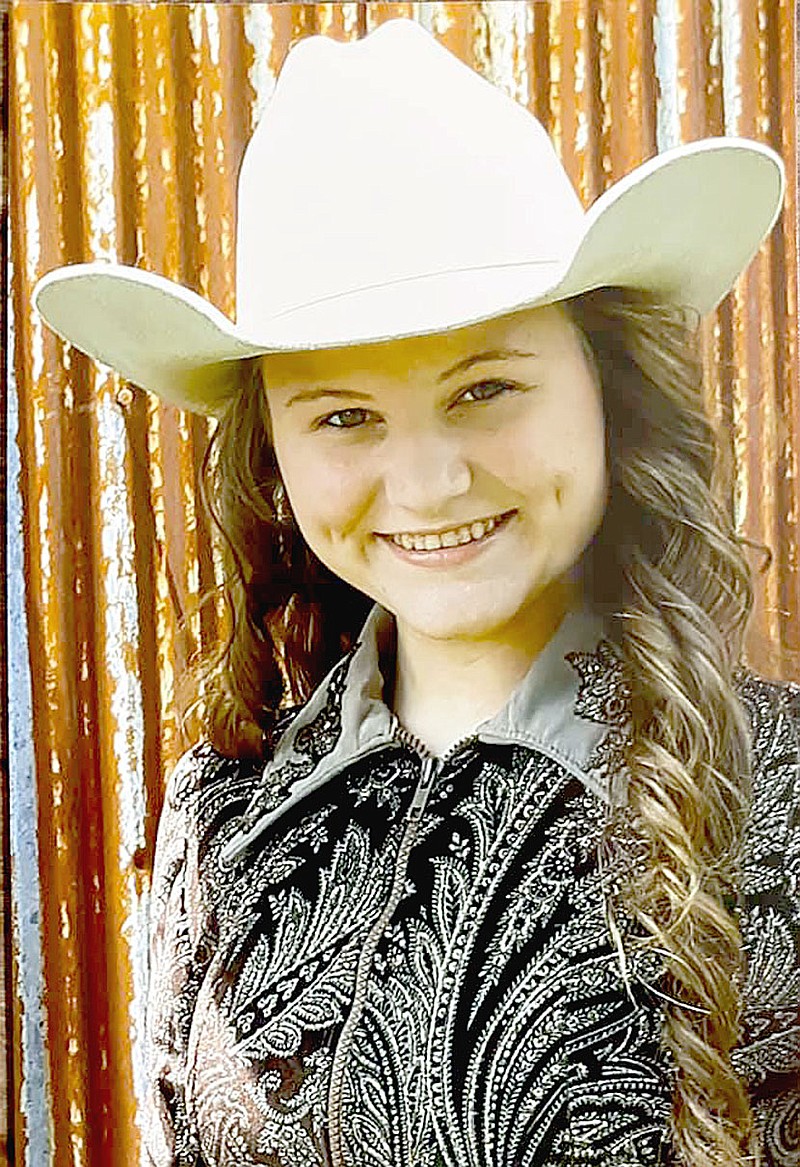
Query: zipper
(430, 770)
(406, 737)
(428, 773)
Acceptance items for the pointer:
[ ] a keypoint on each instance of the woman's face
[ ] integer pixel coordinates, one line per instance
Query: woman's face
(453, 478)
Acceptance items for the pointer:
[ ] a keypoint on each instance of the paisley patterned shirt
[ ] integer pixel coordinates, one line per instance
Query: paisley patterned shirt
(364, 956)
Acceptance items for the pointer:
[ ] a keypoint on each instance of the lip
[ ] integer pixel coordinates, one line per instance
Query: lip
(450, 556)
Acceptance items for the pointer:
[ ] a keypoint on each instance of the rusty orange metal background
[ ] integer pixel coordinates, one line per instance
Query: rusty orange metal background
(127, 126)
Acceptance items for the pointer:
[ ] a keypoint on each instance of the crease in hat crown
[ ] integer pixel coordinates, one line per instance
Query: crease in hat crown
(389, 190)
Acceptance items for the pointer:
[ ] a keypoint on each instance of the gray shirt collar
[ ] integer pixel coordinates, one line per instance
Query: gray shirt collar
(540, 714)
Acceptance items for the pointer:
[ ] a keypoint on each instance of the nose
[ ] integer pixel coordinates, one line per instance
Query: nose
(425, 471)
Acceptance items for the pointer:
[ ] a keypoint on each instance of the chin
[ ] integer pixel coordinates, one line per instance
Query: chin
(440, 616)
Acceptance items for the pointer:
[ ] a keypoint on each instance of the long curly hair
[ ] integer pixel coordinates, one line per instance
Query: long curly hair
(667, 570)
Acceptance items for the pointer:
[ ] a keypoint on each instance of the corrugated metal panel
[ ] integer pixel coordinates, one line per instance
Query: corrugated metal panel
(6, 976)
(128, 122)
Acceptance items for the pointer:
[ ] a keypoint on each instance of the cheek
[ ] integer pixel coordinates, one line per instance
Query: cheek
(327, 494)
(585, 467)
(564, 471)
(556, 455)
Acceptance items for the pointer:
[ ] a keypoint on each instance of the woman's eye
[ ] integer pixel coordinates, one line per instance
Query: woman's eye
(486, 391)
(344, 419)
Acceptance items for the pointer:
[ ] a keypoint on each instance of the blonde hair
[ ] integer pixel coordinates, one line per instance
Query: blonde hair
(671, 576)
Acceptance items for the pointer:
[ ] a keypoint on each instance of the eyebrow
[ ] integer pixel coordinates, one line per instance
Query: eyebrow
(504, 354)
(326, 391)
(497, 354)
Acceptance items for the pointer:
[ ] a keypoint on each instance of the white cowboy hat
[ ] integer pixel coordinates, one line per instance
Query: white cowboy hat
(391, 191)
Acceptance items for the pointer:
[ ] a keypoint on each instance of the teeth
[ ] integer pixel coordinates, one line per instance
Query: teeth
(453, 538)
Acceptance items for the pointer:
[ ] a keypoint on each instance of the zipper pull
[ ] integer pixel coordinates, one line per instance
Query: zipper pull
(429, 769)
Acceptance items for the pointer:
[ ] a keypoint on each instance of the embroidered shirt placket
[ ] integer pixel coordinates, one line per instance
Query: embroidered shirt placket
(431, 768)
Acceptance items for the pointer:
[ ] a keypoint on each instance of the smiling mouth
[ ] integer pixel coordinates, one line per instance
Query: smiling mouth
(451, 537)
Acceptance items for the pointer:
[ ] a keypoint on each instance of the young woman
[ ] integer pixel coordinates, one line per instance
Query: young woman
(489, 853)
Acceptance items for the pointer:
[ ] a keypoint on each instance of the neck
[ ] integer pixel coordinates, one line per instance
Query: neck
(445, 688)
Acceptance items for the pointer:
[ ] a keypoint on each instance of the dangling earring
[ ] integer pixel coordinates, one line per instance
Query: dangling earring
(280, 503)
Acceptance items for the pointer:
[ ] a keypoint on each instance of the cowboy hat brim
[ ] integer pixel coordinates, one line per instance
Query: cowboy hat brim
(683, 226)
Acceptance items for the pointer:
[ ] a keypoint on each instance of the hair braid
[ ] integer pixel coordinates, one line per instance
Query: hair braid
(669, 571)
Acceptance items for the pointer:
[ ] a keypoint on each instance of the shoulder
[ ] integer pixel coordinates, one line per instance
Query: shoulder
(203, 777)
(207, 797)
(770, 882)
(772, 838)
(774, 820)
(205, 794)
(203, 781)
(199, 769)
(774, 711)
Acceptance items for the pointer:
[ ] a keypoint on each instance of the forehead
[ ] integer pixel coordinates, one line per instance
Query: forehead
(544, 330)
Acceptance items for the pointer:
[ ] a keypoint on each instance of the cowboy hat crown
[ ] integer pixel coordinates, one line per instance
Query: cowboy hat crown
(388, 191)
